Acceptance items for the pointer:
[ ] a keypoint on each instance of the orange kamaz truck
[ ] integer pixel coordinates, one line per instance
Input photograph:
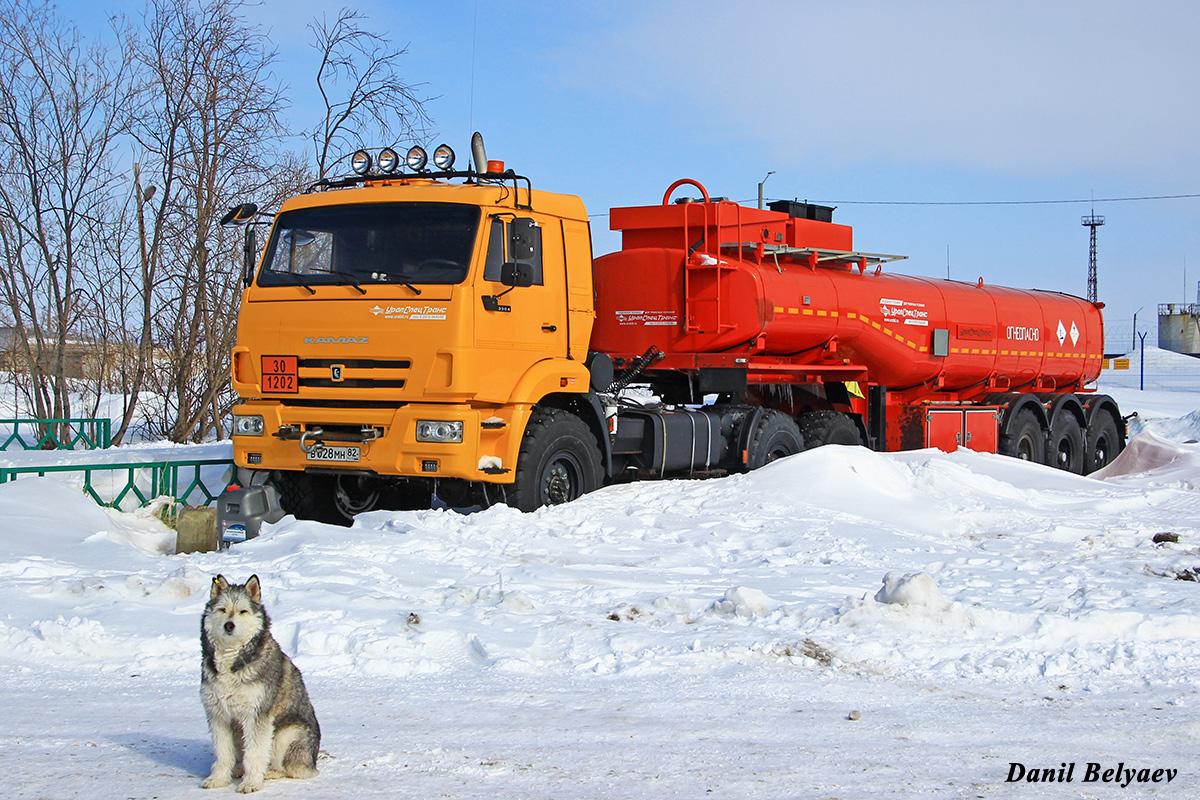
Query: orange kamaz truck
(415, 334)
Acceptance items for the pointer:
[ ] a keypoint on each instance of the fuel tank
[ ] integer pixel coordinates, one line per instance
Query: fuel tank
(714, 277)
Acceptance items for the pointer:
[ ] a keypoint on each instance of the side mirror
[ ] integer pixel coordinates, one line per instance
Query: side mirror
(514, 274)
(239, 215)
(524, 239)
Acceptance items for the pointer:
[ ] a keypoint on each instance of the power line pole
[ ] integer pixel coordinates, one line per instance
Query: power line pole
(1092, 221)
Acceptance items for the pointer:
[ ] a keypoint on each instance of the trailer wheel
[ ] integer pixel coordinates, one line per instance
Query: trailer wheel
(559, 461)
(776, 435)
(1103, 442)
(1024, 438)
(827, 427)
(1066, 443)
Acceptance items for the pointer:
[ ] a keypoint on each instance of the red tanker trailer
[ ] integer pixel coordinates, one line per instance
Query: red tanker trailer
(737, 301)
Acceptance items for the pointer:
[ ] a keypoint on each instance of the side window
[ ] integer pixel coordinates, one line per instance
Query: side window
(499, 251)
(496, 251)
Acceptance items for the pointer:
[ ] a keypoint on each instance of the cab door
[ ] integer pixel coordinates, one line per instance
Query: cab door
(515, 327)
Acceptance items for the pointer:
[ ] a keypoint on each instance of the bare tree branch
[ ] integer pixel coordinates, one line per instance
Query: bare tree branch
(359, 82)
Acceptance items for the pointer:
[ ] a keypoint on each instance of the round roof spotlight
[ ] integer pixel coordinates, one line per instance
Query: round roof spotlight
(388, 160)
(417, 158)
(443, 157)
(360, 162)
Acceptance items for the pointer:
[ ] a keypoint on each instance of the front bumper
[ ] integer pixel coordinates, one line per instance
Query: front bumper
(298, 438)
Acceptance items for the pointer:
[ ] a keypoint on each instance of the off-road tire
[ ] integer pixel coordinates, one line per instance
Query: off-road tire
(775, 436)
(559, 461)
(827, 427)
(307, 496)
(1066, 448)
(1103, 442)
(1024, 438)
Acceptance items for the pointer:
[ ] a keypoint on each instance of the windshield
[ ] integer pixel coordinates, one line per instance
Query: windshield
(360, 244)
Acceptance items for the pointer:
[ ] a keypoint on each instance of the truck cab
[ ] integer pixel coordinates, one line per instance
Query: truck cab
(404, 326)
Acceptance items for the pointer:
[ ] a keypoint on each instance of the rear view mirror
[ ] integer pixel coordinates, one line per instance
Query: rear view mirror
(524, 239)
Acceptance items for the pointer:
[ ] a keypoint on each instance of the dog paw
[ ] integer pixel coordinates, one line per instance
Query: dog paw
(250, 785)
(214, 782)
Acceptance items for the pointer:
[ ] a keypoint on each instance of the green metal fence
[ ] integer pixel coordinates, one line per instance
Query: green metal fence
(136, 484)
(56, 434)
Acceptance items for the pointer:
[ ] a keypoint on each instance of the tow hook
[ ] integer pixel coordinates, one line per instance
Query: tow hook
(315, 434)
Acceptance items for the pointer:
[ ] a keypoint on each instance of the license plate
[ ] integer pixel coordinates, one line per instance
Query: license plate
(321, 452)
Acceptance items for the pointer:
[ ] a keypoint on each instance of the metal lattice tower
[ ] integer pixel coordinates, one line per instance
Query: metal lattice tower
(1092, 221)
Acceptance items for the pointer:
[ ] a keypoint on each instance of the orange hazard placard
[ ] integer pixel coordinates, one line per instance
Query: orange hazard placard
(280, 374)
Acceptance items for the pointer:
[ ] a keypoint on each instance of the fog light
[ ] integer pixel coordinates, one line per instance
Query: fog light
(417, 158)
(360, 162)
(249, 425)
(388, 160)
(429, 430)
(443, 157)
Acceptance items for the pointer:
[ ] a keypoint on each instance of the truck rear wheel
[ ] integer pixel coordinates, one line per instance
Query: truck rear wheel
(559, 461)
(775, 436)
(827, 427)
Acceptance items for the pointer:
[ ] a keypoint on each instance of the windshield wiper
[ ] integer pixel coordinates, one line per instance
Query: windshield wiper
(299, 279)
(415, 290)
(354, 283)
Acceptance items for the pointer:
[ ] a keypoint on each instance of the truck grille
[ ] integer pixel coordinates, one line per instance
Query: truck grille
(357, 373)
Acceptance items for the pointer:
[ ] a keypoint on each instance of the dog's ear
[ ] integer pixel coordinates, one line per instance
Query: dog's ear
(219, 585)
(253, 589)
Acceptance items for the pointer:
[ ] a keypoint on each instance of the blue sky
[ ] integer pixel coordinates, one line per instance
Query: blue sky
(928, 105)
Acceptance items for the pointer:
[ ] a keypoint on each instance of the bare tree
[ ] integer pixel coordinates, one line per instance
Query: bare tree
(360, 85)
(64, 105)
(209, 132)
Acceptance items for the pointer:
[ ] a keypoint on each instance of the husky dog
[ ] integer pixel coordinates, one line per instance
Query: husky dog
(257, 707)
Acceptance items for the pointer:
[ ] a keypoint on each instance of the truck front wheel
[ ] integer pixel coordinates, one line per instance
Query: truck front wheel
(307, 496)
(559, 461)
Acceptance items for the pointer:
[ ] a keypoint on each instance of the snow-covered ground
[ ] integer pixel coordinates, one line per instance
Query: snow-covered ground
(839, 624)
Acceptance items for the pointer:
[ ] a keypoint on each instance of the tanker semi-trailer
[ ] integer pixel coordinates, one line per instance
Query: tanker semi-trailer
(434, 335)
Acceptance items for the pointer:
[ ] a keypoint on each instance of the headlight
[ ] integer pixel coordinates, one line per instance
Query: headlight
(431, 430)
(250, 425)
